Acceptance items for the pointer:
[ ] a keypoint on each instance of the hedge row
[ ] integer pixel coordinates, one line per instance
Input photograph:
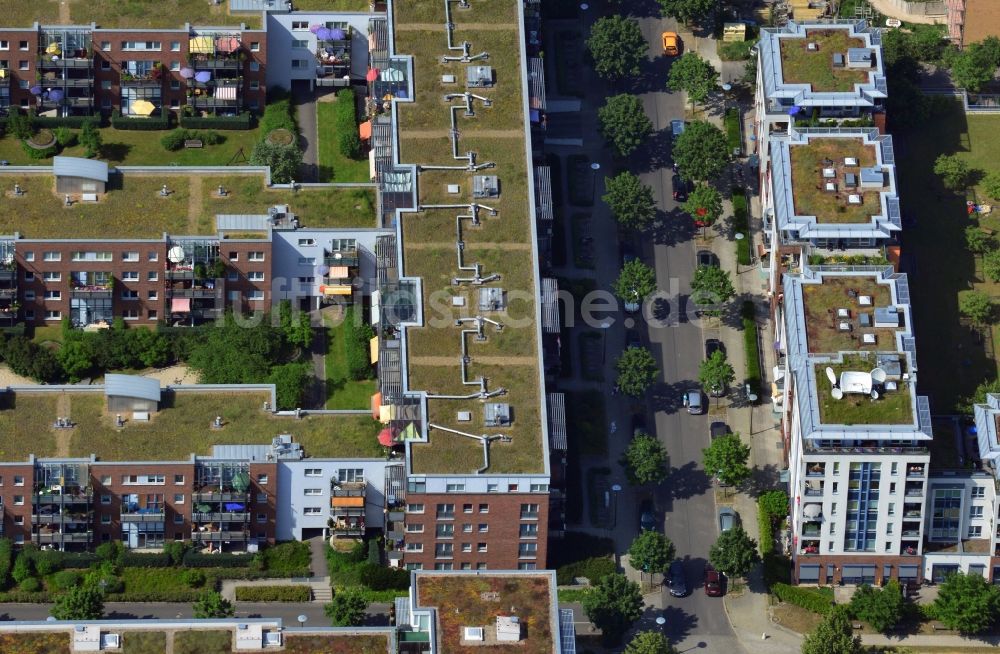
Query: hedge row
(750, 346)
(194, 560)
(273, 594)
(21, 597)
(593, 568)
(243, 121)
(741, 224)
(151, 560)
(817, 600)
(75, 122)
(156, 596)
(765, 528)
(156, 121)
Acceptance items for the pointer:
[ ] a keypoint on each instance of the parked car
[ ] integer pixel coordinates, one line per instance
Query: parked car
(694, 401)
(676, 128)
(714, 583)
(713, 345)
(718, 430)
(681, 188)
(628, 254)
(647, 517)
(675, 579)
(727, 519)
(638, 424)
(707, 259)
(671, 44)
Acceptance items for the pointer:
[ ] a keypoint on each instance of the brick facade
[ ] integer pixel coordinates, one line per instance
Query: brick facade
(828, 576)
(16, 483)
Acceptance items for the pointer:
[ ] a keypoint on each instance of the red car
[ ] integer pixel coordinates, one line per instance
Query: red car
(714, 583)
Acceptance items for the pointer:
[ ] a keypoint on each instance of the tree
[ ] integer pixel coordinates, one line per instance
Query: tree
(631, 202)
(834, 635)
(967, 603)
(973, 67)
(77, 357)
(296, 326)
(693, 75)
(645, 460)
(290, 381)
(991, 265)
(624, 123)
(211, 604)
(716, 373)
(977, 241)
(635, 282)
(881, 608)
(637, 371)
(775, 503)
(347, 608)
(687, 11)
(617, 46)
(977, 307)
(90, 139)
(953, 171)
(711, 286)
(284, 160)
(649, 642)
(701, 152)
(651, 552)
(704, 204)
(734, 553)
(726, 457)
(613, 604)
(84, 602)
(18, 123)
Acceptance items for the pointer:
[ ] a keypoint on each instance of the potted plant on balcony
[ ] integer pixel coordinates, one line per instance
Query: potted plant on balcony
(199, 271)
(218, 268)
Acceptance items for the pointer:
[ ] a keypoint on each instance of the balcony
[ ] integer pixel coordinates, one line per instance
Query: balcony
(349, 526)
(63, 499)
(92, 291)
(914, 490)
(233, 516)
(810, 547)
(220, 496)
(49, 62)
(892, 451)
(215, 291)
(811, 531)
(152, 79)
(61, 517)
(813, 492)
(909, 547)
(142, 515)
(911, 533)
(63, 537)
(70, 82)
(218, 536)
(816, 470)
(345, 258)
(8, 274)
(218, 64)
(915, 471)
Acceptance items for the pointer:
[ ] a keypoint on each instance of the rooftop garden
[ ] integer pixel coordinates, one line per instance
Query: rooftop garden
(799, 65)
(18, 13)
(350, 377)
(134, 208)
(822, 302)
(35, 643)
(892, 408)
(182, 426)
(340, 158)
(348, 644)
(809, 186)
(203, 641)
(165, 14)
(409, 13)
(463, 601)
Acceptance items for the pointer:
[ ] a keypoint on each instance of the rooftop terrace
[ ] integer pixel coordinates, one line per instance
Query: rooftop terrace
(892, 408)
(180, 428)
(811, 164)
(134, 208)
(800, 65)
(464, 600)
(163, 14)
(824, 304)
(502, 244)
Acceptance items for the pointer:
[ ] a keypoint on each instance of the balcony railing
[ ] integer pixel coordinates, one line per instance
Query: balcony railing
(915, 492)
(218, 536)
(814, 492)
(61, 62)
(71, 82)
(894, 451)
(915, 472)
(61, 518)
(196, 293)
(91, 291)
(8, 274)
(212, 101)
(220, 517)
(60, 537)
(143, 515)
(220, 496)
(348, 258)
(141, 81)
(64, 498)
(218, 64)
(810, 472)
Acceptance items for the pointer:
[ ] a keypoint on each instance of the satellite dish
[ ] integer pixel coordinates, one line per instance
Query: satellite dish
(878, 376)
(831, 376)
(874, 394)
(175, 254)
(837, 394)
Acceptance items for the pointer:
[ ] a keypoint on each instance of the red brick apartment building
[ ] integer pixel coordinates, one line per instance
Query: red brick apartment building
(80, 70)
(74, 504)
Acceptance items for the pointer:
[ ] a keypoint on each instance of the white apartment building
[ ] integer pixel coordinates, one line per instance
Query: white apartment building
(856, 432)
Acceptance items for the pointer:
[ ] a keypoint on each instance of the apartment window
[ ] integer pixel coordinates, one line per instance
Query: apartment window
(833, 528)
(91, 256)
(261, 498)
(130, 294)
(142, 45)
(527, 550)
(300, 43)
(312, 492)
(106, 46)
(300, 25)
(539, 488)
(312, 510)
(254, 104)
(975, 512)
(255, 276)
(513, 488)
(234, 256)
(415, 508)
(313, 472)
(29, 256)
(483, 528)
(975, 531)
(152, 295)
(19, 520)
(467, 547)
(130, 276)
(262, 479)
(836, 468)
(892, 508)
(455, 488)
(175, 46)
(105, 85)
(53, 315)
(4, 44)
(22, 64)
(466, 527)
(467, 508)
(52, 256)
(414, 566)
(836, 488)
(894, 469)
(444, 550)
(53, 295)
(143, 480)
(833, 508)
(444, 566)
(178, 479)
(19, 500)
(978, 492)
(892, 487)
(527, 566)
(445, 511)
(414, 547)
(29, 276)
(414, 529)
(307, 261)
(105, 519)
(255, 46)
(131, 256)
(29, 314)
(529, 531)
(178, 498)
(484, 508)
(529, 512)
(254, 85)
(445, 531)
(29, 295)
(351, 474)
(178, 519)
(255, 255)
(50, 276)
(19, 480)
(23, 45)
(175, 103)
(481, 548)
(254, 66)
(888, 528)
(151, 314)
(466, 566)
(130, 314)
(307, 242)
(152, 255)
(25, 85)
(261, 518)
(105, 480)
(299, 63)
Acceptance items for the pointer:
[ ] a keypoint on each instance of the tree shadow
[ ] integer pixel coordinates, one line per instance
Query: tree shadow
(672, 227)
(115, 152)
(653, 154)
(669, 397)
(680, 623)
(762, 480)
(653, 75)
(687, 481)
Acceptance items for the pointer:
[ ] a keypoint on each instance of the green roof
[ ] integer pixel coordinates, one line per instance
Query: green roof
(799, 65)
(892, 408)
(810, 196)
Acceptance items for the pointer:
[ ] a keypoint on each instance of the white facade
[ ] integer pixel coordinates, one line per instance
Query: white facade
(960, 527)
(291, 49)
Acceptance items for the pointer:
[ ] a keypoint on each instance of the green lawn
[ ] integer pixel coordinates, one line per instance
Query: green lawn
(343, 392)
(291, 558)
(202, 641)
(162, 580)
(802, 66)
(144, 642)
(161, 14)
(21, 13)
(954, 358)
(124, 147)
(332, 119)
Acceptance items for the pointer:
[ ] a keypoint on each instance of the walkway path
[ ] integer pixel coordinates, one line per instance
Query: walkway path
(63, 436)
(305, 106)
(195, 203)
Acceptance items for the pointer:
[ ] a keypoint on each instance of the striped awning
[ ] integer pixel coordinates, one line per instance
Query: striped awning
(338, 272)
(202, 45)
(225, 92)
(342, 289)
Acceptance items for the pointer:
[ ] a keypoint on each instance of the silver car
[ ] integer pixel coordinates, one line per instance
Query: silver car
(694, 401)
(727, 519)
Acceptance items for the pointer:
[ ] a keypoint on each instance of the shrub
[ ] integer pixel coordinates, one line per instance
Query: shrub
(66, 579)
(6, 560)
(143, 560)
(765, 527)
(751, 350)
(194, 578)
(373, 554)
(47, 562)
(273, 594)
(174, 139)
(358, 334)
(379, 577)
(210, 137)
(593, 568)
(279, 114)
(112, 552)
(65, 137)
(777, 569)
(175, 550)
(243, 121)
(23, 567)
(156, 121)
(40, 153)
(741, 224)
(30, 585)
(18, 123)
(349, 144)
(290, 558)
(817, 600)
(284, 160)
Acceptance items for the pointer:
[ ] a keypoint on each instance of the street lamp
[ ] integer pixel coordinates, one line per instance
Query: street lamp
(594, 167)
(660, 621)
(302, 620)
(616, 488)
(739, 236)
